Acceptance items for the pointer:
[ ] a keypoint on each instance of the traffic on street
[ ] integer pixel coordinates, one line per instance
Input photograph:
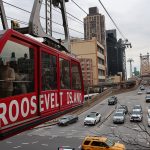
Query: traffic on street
(133, 134)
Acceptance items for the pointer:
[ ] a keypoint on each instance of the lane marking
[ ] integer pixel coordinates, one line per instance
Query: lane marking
(17, 147)
(69, 137)
(54, 136)
(61, 132)
(8, 142)
(66, 146)
(44, 144)
(35, 142)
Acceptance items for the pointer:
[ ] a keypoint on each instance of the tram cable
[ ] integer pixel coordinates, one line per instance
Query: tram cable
(112, 19)
(79, 7)
(80, 21)
(107, 14)
(25, 23)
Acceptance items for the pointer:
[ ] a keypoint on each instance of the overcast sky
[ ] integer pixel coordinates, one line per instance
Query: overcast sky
(131, 16)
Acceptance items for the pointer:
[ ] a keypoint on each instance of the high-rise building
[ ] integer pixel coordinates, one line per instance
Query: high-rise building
(92, 58)
(94, 26)
(116, 61)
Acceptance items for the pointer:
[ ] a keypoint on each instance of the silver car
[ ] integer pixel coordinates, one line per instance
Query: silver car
(136, 115)
(148, 120)
(92, 118)
(139, 92)
(119, 117)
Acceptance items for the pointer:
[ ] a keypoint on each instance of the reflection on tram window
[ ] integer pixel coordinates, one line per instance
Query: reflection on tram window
(49, 72)
(76, 80)
(64, 74)
(17, 69)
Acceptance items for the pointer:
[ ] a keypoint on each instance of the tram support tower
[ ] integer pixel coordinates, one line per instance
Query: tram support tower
(145, 65)
(130, 60)
(3, 16)
(35, 28)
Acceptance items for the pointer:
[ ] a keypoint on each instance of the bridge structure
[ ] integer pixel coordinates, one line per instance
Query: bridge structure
(145, 66)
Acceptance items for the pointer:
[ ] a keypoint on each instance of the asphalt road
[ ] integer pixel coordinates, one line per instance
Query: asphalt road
(51, 137)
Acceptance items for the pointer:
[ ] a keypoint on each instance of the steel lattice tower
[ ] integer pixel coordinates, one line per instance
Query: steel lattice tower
(145, 65)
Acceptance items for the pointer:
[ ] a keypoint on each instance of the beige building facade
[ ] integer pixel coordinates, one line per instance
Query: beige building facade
(94, 26)
(91, 49)
(87, 71)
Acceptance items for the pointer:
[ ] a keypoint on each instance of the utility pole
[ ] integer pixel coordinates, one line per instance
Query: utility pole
(130, 60)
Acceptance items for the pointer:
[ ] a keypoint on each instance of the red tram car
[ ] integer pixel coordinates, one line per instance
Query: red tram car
(37, 83)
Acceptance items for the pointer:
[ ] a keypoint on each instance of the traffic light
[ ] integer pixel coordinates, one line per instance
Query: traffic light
(14, 24)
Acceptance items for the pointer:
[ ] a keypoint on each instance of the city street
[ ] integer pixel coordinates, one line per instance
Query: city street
(69, 75)
(51, 137)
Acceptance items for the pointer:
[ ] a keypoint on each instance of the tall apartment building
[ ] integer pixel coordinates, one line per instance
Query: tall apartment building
(87, 50)
(94, 26)
(116, 62)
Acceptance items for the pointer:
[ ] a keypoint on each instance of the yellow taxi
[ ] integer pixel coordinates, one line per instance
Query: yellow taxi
(100, 143)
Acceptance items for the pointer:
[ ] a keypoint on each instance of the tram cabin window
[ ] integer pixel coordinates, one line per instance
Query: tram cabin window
(64, 74)
(76, 79)
(49, 72)
(16, 69)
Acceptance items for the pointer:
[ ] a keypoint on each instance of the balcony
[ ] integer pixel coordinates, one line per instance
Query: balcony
(100, 55)
(102, 67)
(101, 77)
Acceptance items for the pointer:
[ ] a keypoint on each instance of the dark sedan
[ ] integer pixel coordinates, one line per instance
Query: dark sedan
(124, 108)
(67, 119)
(142, 87)
(148, 91)
(112, 100)
(147, 98)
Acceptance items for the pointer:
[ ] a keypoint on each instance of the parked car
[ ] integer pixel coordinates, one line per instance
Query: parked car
(112, 100)
(147, 98)
(119, 116)
(136, 115)
(123, 108)
(148, 91)
(98, 143)
(148, 119)
(139, 92)
(92, 118)
(67, 119)
(148, 110)
(137, 107)
(142, 87)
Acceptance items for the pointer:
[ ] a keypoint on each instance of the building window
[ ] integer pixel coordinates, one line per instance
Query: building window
(101, 72)
(100, 50)
(100, 61)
